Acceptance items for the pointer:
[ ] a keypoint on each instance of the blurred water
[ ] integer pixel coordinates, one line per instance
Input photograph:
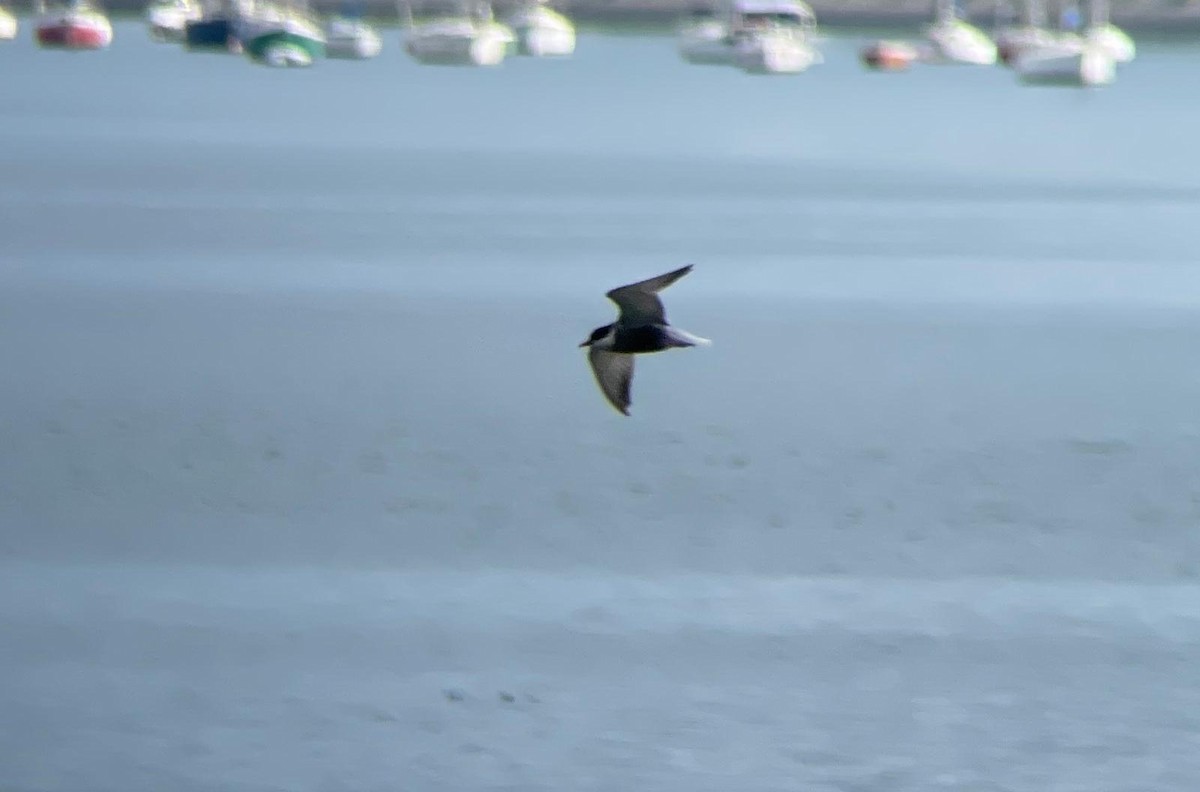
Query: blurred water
(296, 436)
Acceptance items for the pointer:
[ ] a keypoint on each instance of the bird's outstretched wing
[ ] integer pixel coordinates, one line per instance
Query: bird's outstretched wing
(614, 375)
(639, 301)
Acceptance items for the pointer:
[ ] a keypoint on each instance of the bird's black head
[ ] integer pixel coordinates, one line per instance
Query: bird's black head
(596, 335)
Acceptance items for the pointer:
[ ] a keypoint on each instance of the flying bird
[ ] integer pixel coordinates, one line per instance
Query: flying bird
(641, 327)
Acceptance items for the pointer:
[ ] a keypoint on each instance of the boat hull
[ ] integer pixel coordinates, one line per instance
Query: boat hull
(74, 31)
(540, 42)
(167, 23)
(1077, 68)
(889, 55)
(542, 32)
(1013, 43)
(957, 42)
(1113, 40)
(215, 34)
(770, 53)
(706, 44)
(275, 39)
(8, 25)
(459, 45)
(354, 42)
(285, 48)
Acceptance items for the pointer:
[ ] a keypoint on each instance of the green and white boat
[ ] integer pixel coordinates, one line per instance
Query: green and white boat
(280, 36)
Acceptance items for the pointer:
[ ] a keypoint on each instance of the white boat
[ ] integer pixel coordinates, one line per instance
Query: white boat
(1113, 40)
(1067, 59)
(1012, 42)
(541, 30)
(705, 40)
(774, 49)
(758, 36)
(462, 40)
(1070, 62)
(951, 39)
(351, 39)
(1029, 33)
(1102, 33)
(167, 19)
(8, 24)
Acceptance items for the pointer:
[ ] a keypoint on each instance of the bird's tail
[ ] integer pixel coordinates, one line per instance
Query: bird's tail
(682, 338)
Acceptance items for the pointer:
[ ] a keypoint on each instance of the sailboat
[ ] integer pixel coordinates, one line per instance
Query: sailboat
(705, 38)
(1104, 34)
(76, 26)
(1029, 33)
(282, 36)
(464, 39)
(349, 37)
(8, 24)
(167, 19)
(759, 36)
(954, 40)
(540, 30)
(1070, 60)
(215, 30)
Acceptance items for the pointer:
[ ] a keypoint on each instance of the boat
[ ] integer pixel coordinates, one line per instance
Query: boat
(1102, 33)
(461, 40)
(215, 29)
(1068, 63)
(950, 39)
(350, 38)
(758, 36)
(1067, 59)
(774, 49)
(166, 19)
(1029, 33)
(77, 26)
(889, 55)
(281, 36)
(8, 24)
(541, 31)
(705, 39)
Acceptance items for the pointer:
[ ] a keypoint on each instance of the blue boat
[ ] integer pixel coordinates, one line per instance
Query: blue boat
(216, 29)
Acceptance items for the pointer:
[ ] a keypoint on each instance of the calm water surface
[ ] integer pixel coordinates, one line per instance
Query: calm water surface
(305, 485)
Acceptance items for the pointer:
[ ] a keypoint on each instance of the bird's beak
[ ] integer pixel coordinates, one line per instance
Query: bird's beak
(586, 343)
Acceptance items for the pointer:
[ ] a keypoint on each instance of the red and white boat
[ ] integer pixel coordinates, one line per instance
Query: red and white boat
(78, 26)
(889, 55)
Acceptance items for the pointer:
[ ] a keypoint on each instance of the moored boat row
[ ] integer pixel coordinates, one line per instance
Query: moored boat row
(1039, 54)
(287, 33)
(474, 37)
(755, 36)
(291, 36)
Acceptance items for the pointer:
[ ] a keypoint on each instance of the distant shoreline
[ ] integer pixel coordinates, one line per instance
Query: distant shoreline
(1158, 17)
